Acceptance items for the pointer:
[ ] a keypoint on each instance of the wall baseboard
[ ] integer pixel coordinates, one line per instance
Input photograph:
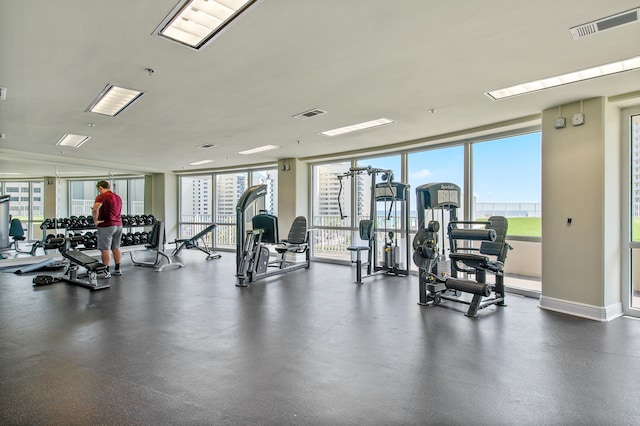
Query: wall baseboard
(597, 313)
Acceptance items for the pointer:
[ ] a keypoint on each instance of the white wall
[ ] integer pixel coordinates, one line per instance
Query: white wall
(581, 181)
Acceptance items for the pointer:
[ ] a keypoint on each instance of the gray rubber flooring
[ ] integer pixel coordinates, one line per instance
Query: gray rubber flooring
(188, 347)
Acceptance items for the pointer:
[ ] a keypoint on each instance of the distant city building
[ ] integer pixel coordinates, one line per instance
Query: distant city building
(196, 199)
(198, 192)
(20, 198)
(635, 161)
(330, 197)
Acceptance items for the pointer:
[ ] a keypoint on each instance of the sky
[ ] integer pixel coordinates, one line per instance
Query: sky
(506, 170)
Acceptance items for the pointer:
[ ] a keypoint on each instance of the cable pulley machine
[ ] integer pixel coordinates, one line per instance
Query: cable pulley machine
(387, 251)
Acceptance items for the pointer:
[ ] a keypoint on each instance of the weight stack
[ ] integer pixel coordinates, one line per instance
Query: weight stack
(443, 266)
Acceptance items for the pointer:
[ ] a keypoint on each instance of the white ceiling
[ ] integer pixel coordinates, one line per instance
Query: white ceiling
(357, 59)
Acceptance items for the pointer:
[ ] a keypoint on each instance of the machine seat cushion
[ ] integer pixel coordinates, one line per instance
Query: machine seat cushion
(296, 241)
(358, 248)
(289, 248)
(477, 261)
(16, 232)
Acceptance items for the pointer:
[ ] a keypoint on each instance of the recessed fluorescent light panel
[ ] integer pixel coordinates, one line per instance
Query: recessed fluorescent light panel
(113, 99)
(559, 80)
(195, 22)
(200, 163)
(356, 127)
(259, 149)
(70, 139)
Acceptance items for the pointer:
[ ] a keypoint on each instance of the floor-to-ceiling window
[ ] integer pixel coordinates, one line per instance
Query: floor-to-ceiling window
(82, 195)
(268, 177)
(436, 166)
(502, 174)
(331, 210)
(195, 205)
(371, 201)
(83, 192)
(229, 187)
(212, 198)
(631, 212)
(506, 181)
(26, 203)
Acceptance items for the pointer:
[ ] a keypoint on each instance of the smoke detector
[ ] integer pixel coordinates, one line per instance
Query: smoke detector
(613, 21)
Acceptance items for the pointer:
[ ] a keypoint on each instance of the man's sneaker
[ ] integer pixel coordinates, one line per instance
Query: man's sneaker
(104, 275)
(117, 272)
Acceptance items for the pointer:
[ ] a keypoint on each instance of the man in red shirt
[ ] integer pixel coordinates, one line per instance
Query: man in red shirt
(107, 215)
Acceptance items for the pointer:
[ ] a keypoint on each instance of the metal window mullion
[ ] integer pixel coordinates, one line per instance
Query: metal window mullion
(468, 181)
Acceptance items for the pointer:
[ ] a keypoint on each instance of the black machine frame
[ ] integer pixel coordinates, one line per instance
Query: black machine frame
(253, 257)
(387, 191)
(438, 282)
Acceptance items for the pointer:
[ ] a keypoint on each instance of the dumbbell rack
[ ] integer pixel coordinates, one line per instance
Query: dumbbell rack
(82, 230)
(70, 227)
(138, 221)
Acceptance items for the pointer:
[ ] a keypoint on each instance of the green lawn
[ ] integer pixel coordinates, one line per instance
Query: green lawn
(524, 226)
(636, 228)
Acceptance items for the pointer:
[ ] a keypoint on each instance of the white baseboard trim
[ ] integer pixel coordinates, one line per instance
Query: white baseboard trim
(597, 313)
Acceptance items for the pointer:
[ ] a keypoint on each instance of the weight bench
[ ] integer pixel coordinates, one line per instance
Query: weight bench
(198, 242)
(78, 259)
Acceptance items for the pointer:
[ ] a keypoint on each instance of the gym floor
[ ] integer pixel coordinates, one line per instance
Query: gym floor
(187, 346)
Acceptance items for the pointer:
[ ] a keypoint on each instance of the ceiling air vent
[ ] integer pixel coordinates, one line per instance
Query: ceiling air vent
(310, 113)
(3, 93)
(603, 24)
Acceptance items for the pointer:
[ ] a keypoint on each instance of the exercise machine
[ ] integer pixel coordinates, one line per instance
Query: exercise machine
(440, 275)
(198, 242)
(436, 202)
(387, 238)
(4, 222)
(253, 257)
(476, 262)
(154, 245)
(77, 260)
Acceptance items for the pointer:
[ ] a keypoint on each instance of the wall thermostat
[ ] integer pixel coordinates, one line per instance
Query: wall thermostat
(577, 119)
(560, 123)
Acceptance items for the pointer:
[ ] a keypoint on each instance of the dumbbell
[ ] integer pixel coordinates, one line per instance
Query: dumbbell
(88, 240)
